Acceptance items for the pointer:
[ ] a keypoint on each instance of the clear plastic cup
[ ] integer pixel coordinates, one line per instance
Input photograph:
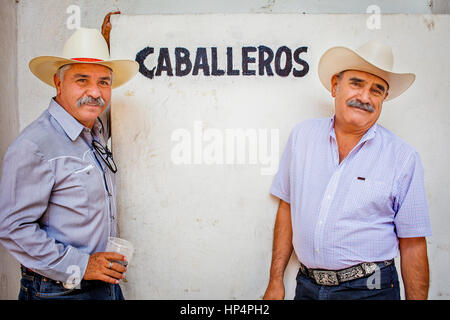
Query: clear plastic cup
(121, 246)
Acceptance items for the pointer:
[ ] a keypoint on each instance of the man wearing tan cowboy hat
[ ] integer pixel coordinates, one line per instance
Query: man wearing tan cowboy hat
(57, 191)
(352, 193)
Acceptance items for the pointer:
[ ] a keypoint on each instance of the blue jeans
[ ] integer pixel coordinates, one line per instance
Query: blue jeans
(384, 287)
(36, 287)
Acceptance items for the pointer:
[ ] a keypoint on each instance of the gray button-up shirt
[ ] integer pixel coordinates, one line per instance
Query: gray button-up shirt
(57, 201)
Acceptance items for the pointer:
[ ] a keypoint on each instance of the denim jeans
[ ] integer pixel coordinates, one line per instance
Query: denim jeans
(383, 285)
(36, 287)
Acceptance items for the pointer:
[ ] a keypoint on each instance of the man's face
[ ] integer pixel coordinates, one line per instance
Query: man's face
(358, 99)
(81, 90)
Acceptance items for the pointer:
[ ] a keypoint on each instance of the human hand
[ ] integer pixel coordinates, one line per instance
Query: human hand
(98, 267)
(275, 290)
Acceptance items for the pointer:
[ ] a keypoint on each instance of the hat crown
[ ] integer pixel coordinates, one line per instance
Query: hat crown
(86, 43)
(378, 53)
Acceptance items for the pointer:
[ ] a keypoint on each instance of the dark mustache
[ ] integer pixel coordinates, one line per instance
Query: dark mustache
(91, 100)
(358, 104)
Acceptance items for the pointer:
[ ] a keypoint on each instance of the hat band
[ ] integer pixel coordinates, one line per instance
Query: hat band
(87, 59)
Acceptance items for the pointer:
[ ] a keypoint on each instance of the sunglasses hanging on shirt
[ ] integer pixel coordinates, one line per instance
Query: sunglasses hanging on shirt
(105, 154)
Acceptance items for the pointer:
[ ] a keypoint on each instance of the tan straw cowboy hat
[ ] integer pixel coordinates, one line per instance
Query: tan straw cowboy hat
(373, 57)
(84, 46)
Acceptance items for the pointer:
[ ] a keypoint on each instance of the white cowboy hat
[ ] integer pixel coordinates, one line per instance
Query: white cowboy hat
(373, 57)
(84, 46)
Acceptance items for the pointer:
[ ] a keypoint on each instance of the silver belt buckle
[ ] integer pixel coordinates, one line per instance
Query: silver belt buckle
(325, 278)
(369, 267)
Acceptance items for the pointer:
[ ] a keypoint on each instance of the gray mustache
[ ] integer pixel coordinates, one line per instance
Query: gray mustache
(91, 100)
(358, 104)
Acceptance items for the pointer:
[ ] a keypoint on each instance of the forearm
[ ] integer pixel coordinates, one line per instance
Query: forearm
(282, 242)
(414, 266)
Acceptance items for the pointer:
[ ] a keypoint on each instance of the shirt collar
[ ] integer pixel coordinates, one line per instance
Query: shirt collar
(370, 134)
(69, 124)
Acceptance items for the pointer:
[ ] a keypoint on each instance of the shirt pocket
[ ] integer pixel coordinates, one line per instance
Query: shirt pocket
(79, 185)
(367, 197)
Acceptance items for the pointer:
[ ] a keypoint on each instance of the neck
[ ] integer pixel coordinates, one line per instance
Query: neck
(347, 139)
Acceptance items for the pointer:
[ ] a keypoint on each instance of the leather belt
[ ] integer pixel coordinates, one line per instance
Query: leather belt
(335, 277)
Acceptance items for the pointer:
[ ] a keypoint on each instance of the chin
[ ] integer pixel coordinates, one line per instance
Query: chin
(360, 118)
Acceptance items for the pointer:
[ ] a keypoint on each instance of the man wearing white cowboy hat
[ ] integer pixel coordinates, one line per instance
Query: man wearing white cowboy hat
(57, 192)
(352, 193)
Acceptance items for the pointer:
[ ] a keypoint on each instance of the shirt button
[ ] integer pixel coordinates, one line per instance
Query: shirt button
(317, 250)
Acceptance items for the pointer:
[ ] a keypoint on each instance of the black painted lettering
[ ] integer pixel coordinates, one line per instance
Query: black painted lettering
(264, 63)
(201, 62)
(304, 71)
(140, 58)
(283, 72)
(182, 59)
(246, 60)
(164, 63)
(230, 70)
(214, 70)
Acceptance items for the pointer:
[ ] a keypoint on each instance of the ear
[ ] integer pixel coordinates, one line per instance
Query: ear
(334, 85)
(57, 81)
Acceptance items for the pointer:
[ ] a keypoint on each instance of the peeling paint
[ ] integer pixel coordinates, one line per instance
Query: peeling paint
(429, 22)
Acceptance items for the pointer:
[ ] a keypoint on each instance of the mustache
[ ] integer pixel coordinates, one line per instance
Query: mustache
(360, 105)
(91, 101)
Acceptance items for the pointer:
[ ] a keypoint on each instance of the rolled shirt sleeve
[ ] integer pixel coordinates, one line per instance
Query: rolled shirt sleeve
(25, 189)
(412, 215)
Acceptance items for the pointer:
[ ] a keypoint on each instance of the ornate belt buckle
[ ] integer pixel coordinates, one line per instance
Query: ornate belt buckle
(325, 278)
(369, 267)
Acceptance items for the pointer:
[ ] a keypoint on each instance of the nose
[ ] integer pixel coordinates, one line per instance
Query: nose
(364, 95)
(93, 91)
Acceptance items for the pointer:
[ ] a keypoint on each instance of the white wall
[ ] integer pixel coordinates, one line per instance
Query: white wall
(46, 20)
(29, 28)
(9, 123)
(204, 230)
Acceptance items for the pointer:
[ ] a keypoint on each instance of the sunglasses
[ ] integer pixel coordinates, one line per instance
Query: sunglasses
(105, 154)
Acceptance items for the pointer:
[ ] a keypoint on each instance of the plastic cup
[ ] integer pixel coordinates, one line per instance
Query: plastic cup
(121, 246)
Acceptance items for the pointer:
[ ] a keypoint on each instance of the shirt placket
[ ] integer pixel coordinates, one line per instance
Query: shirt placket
(329, 194)
(325, 206)
(108, 184)
(110, 194)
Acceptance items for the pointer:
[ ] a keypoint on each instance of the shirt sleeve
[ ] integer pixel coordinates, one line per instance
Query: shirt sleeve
(412, 217)
(25, 190)
(281, 185)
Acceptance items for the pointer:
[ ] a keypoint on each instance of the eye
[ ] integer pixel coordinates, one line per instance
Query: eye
(376, 92)
(356, 83)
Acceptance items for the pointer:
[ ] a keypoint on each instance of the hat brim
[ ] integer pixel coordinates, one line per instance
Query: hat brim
(338, 59)
(45, 67)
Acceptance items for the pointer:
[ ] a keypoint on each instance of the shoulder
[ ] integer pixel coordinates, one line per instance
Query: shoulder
(35, 138)
(402, 156)
(309, 128)
(394, 143)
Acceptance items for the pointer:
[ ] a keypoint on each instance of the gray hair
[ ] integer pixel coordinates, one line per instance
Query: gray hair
(62, 71)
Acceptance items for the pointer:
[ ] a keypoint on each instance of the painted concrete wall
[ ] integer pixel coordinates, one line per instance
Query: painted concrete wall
(46, 20)
(203, 227)
(38, 27)
(9, 122)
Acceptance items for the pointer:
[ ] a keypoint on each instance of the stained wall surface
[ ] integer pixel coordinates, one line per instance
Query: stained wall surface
(30, 28)
(201, 220)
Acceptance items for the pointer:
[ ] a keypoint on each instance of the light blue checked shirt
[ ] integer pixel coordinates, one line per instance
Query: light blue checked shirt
(353, 212)
(57, 203)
